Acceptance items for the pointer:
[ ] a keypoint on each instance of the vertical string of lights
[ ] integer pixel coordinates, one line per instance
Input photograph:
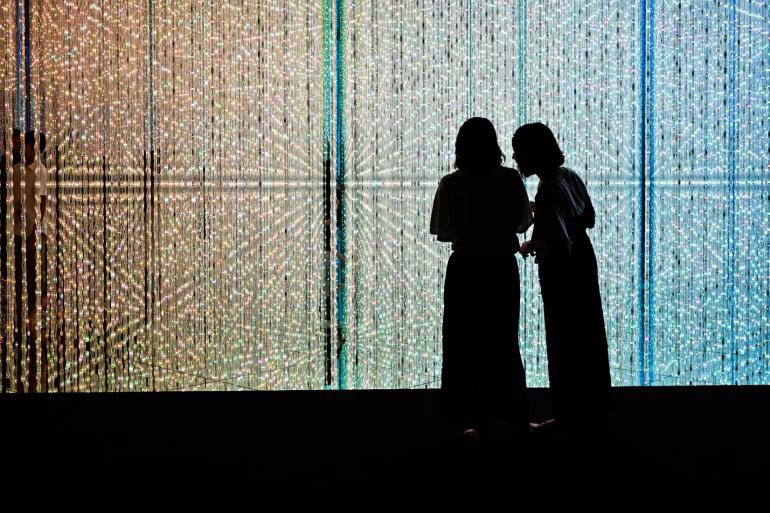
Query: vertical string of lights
(645, 126)
(15, 263)
(18, 229)
(5, 384)
(341, 218)
(327, 197)
(470, 58)
(149, 206)
(43, 196)
(647, 370)
(732, 137)
(355, 275)
(30, 257)
(60, 319)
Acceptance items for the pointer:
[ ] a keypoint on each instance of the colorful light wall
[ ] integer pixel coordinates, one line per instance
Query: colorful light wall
(238, 192)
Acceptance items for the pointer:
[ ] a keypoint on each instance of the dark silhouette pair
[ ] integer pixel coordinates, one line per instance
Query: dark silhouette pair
(480, 208)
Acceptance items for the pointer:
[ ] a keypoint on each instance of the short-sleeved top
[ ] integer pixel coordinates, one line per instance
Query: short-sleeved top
(563, 211)
(481, 211)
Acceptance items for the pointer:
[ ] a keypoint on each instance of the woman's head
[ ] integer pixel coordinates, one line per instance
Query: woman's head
(535, 149)
(476, 146)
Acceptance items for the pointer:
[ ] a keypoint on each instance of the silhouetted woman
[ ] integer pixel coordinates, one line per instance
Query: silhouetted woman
(479, 208)
(578, 365)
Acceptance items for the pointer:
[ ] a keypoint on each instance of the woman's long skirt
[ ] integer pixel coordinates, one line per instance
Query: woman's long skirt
(578, 363)
(482, 374)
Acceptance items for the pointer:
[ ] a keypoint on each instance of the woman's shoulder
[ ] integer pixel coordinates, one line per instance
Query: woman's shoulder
(508, 175)
(575, 180)
(550, 190)
(553, 183)
(459, 179)
(450, 185)
(569, 174)
(508, 171)
(563, 178)
(450, 180)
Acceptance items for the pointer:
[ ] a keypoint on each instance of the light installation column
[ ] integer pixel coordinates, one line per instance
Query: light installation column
(341, 175)
(710, 208)
(581, 67)
(187, 247)
(407, 91)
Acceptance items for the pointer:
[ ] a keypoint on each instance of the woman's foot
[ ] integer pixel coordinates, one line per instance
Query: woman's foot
(546, 424)
(574, 430)
(546, 428)
(472, 434)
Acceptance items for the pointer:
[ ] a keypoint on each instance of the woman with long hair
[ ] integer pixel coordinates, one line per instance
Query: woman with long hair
(479, 208)
(578, 364)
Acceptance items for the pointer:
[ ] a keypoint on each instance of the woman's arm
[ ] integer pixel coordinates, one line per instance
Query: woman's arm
(521, 200)
(588, 216)
(549, 237)
(440, 224)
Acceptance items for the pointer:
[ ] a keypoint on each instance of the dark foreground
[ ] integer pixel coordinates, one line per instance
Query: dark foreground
(331, 447)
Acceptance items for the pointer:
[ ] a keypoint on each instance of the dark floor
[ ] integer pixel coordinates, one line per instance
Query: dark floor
(381, 442)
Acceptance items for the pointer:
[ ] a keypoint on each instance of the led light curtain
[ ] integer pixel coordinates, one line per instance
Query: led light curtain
(238, 193)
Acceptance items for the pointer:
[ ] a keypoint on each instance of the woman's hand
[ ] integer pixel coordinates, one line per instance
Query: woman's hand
(531, 247)
(527, 248)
